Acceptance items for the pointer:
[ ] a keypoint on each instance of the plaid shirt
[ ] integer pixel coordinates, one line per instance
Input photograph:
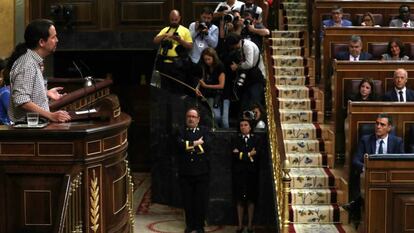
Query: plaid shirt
(27, 84)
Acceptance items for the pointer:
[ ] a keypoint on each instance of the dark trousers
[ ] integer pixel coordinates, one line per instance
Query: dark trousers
(194, 190)
(168, 84)
(252, 94)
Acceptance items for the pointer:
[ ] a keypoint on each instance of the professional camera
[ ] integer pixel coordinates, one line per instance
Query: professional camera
(201, 27)
(247, 22)
(166, 45)
(250, 115)
(229, 18)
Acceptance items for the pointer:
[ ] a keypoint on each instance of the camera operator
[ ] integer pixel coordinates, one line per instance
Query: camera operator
(249, 81)
(253, 8)
(256, 115)
(174, 41)
(226, 7)
(204, 34)
(253, 29)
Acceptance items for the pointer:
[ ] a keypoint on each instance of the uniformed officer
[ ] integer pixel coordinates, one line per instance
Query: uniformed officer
(194, 171)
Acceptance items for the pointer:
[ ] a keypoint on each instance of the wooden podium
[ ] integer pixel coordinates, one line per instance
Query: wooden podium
(389, 193)
(69, 177)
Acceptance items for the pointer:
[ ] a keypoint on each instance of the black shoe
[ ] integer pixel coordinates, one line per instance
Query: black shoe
(350, 206)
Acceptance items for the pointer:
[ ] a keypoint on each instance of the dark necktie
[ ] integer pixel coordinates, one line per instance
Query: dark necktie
(401, 96)
(380, 149)
(405, 25)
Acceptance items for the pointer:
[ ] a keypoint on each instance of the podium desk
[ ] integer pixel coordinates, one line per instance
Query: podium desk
(68, 177)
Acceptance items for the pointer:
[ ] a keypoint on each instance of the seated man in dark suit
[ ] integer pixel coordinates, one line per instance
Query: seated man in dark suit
(400, 93)
(354, 52)
(380, 142)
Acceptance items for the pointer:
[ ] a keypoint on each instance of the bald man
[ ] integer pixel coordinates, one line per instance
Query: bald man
(400, 93)
(175, 41)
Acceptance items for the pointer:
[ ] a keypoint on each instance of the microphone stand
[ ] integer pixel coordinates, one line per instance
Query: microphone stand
(213, 125)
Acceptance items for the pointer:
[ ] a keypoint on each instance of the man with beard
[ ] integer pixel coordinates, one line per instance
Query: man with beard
(203, 33)
(174, 41)
(403, 20)
(28, 89)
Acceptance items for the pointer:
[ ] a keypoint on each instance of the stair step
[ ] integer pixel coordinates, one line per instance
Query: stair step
(295, 104)
(314, 196)
(297, 116)
(287, 51)
(296, 92)
(317, 214)
(289, 71)
(312, 178)
(307, 159)
(291, 80)
(301, 131)
(288, 60)
(288, 42)
(303, 146)
(295, 12)
(286, 34)
(297, 27)
(294, 5)
(296, 20)
(319, 228)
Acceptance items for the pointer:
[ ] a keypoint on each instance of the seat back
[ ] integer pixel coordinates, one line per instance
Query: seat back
(377, 49)
(337, 48)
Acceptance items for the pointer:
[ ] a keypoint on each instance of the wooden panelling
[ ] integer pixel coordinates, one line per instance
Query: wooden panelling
(119, 192)
(141, 14)
(39, 200)
(128, 15)
(18, 149)
(402, 176)
(56, 149)
(111, 142)
(379, 177)
(377, 214)
(403, 212)
(93, 147)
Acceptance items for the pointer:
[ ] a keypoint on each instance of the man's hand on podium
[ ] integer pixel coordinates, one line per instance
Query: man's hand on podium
(59, 116)
(55, 93)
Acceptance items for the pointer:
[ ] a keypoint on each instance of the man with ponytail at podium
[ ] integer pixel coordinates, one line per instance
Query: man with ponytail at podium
(28, 90)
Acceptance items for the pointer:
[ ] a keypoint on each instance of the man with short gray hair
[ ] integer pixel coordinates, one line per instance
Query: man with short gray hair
(354, 52)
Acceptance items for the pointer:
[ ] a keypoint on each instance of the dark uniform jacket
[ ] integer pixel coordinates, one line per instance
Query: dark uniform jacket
(193, 160)
(242, 162)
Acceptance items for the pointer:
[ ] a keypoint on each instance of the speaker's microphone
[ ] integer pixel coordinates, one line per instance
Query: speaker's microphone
(87, 68)
(77, 68)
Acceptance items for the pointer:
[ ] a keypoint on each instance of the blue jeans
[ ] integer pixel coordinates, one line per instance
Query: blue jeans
(225, 114)
(216, 111)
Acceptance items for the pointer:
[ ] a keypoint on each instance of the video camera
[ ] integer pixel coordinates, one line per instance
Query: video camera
(230, 18)
(201, 27)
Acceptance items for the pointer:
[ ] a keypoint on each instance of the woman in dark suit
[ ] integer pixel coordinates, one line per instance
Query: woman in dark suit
(245, 152)
(365, 91)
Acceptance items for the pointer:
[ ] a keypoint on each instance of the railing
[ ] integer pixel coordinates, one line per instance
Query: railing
(280, 173)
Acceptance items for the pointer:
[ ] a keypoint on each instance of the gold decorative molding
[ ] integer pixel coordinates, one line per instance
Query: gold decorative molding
(94, 199)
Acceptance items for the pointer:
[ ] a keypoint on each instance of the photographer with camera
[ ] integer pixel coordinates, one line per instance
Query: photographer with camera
(204, 34)
(172, 59)
(255, 114)
(253, 29)
(226, 7)
(253, 8)
(212, 84)
(249, 81)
